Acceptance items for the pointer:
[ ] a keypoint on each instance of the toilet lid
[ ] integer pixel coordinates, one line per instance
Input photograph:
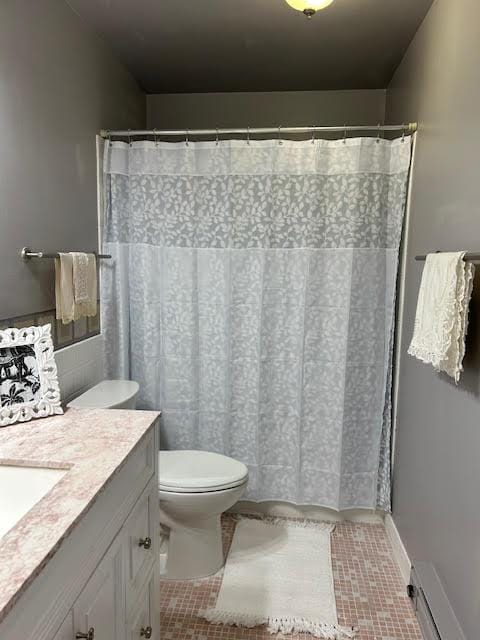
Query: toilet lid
(107, 394)
(199, 471)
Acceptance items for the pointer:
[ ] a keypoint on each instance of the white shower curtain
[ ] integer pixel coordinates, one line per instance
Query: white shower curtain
(251, 294)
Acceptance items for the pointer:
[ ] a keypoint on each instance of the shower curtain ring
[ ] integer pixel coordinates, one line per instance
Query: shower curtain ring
(345, 133)
(216, 137)
(129, 138)
(313, 134)
(378, 133)
(248, 135)
(186, 137)
(279, 139)
(403, 132)
(155, 139)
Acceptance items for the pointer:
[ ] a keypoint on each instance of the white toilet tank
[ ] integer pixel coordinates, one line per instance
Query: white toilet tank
(108, 394)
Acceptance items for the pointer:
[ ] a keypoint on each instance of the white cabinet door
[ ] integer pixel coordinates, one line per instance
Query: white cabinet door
(145, 623)
(66, 630)
(99, 609)
(142, 539)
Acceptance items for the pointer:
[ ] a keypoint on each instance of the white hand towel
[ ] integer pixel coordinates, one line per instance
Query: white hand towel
(442, 312)
(75, 286)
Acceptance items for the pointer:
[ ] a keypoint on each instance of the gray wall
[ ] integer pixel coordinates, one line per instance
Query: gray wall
(437, 470)
(210, 110)
(58, 86)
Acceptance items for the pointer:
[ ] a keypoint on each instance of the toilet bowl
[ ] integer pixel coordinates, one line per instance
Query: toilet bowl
(195, 488)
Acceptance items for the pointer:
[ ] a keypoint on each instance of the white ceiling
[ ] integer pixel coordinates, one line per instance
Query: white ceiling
(255, 45)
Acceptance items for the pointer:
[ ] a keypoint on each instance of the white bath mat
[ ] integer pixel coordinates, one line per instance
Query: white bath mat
(279, 574)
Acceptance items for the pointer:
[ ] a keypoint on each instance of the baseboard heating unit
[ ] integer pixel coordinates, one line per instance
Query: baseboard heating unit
(433, 609)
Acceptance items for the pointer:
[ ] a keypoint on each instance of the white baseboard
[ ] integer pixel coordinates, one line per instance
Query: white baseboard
(399, 552)
(288, 510)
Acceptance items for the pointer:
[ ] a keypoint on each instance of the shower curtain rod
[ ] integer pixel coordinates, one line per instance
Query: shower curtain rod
(409, 128)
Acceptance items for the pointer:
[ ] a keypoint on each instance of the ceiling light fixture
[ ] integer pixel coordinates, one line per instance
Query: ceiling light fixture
(309, 7)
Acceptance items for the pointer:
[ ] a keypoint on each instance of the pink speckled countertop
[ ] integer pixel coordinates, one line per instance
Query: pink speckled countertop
(92, 444)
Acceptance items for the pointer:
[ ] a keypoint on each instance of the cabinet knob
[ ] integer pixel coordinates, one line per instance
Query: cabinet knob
(90, 635)
(146, 543)
(146, 632)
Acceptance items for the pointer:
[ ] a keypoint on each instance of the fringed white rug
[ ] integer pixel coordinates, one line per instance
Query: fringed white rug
(279, 574)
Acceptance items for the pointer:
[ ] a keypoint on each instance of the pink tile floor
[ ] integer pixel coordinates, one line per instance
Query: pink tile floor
(369, 591)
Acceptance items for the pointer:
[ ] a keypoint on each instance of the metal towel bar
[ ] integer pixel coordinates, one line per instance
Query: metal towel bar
(28, 254)
(472, 257)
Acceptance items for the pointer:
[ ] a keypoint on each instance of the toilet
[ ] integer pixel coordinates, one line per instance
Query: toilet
(195, 488)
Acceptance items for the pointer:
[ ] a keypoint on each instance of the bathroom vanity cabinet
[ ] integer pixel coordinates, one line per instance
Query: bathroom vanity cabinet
(103, 581)
(126, 574)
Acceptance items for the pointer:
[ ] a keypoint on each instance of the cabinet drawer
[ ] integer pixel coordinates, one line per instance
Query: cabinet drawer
(145, 623)
(142, 539)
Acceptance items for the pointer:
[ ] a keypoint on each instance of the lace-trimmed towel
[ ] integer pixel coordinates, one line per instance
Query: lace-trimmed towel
(81, 267)
(75, 286)
(442, 312)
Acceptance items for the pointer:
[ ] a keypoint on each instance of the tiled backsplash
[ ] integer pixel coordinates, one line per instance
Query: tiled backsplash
(80, 366)
(62, 334)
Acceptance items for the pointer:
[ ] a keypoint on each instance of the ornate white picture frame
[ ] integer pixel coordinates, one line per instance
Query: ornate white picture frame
(28, 375)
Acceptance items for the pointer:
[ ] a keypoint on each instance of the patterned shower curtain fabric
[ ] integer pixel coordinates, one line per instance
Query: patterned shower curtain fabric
(251, 294)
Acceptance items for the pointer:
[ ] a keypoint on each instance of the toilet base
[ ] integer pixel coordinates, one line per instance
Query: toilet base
(195, 551)
(195, 548)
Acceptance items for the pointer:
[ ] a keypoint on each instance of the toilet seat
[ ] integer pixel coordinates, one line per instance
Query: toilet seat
(199, 472)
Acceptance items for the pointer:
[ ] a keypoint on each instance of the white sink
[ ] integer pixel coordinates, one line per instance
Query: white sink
(21, 488)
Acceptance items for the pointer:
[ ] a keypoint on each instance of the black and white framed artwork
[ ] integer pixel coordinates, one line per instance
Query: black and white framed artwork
(28, 375)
